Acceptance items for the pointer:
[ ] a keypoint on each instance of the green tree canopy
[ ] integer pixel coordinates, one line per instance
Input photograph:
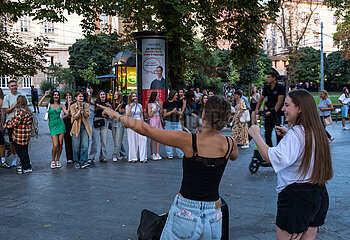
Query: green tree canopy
(100, 49)
(307, 66)
(337, 69)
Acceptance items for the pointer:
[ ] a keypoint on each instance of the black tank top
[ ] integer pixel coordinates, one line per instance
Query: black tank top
(201, 175)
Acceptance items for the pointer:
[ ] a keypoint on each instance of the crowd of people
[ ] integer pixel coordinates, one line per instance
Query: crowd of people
(188, 123)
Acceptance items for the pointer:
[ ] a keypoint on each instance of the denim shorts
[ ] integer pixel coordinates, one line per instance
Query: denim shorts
(344, 111)
(189, 219)
(300, 206)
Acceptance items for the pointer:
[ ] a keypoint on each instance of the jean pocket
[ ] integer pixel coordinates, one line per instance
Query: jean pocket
(216, 225)
(184, 224)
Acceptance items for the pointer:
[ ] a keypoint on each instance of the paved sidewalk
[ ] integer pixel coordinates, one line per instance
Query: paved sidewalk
(105, 201)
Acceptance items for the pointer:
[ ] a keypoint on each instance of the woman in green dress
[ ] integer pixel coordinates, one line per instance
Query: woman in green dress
(56, 125)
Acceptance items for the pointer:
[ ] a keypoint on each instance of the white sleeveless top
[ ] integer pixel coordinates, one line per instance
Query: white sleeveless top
(154, 106)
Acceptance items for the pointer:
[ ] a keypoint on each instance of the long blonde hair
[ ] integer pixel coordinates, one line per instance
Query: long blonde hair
(315, 135)
(22, 103)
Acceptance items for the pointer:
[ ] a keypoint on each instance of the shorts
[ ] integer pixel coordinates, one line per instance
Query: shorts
(10, 132)
(190, 219)
(344, 111)
(300, 206)
(2, 139)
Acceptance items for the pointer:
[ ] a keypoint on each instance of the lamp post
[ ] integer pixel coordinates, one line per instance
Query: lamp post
(322, 63)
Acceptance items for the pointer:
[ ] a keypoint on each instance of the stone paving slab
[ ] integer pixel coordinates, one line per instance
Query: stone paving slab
(105, 201)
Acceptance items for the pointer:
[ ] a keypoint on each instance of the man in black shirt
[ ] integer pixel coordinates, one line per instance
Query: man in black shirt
(275, 93)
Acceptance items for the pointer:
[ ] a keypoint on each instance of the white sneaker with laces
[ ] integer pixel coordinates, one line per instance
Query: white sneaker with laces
(154, 157)
(158, 156)
(345, 128)
(115, 159)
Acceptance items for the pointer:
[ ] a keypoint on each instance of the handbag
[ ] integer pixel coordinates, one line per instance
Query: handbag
(327, 121)
(46, 116)
(151, 225)
(98, 123)
(245, 117)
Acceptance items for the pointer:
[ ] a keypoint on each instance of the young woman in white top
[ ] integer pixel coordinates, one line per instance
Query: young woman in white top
(302, 161)
(344, 100)
(135, 140)
(153, 110)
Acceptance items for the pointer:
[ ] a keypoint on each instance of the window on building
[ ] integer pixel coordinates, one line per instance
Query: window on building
(335, 20)
(303, 16)
(317, 41)
(51, 79)
(4, 81)
(317, 17)
(49, 27)
(26, 82)
(24, 21)
(104, 19)
(3, 24)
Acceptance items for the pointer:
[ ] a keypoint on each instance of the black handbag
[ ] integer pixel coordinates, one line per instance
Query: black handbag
(151, 225)
(98, 123)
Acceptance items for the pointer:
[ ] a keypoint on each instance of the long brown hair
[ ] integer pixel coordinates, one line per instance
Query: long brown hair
(153, 97)
(315, 138)
(22, 103)
(130, 96)
(120, 99)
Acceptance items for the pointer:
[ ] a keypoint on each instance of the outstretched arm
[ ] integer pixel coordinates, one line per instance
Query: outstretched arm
(254, 132)
(171, 138)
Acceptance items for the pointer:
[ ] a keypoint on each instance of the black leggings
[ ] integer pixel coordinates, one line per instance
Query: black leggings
(322, 120)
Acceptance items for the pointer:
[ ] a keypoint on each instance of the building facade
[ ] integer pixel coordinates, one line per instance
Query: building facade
(299, 24)
(61, 37)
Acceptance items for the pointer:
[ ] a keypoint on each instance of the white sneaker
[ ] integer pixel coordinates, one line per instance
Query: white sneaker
(170, 157)
(115, 159)
(345, 128)
(245, 146)
(154, 157)
(158, 156)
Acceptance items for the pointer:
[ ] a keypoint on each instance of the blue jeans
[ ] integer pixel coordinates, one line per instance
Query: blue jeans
(99, 134)
(117, 134)
(173, 126)
(80, 146)
(189, 219)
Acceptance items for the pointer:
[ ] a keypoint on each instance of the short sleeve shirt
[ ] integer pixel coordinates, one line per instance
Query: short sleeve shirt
(169, 106)
(10, 101)
(287, 156)
(135, 111)
(345, 100)
(324, 104)
(272, 95)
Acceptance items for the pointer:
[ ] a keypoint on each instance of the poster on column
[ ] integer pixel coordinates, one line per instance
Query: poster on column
(153, 69)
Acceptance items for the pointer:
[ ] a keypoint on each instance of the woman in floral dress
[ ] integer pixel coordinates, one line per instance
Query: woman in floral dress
(239, 129)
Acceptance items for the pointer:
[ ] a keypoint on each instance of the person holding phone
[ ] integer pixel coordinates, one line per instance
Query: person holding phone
(303, 163)
(136, 141)
(56, 124)
(153, 110)
(81, 131)
(67, 119)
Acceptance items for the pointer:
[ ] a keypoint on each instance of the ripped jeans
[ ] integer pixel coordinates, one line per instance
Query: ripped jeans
(189, 219)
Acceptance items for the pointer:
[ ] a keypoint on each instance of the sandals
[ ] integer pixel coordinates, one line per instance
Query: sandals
(58, 164)
(53, 165)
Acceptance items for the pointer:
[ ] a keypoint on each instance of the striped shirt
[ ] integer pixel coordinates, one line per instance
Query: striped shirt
(21, 123)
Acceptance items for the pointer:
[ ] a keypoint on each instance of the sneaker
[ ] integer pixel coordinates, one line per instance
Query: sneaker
(19, 170)
(143, 161)
(77, 165)
(90, 161)
(5, 165)
(85, 165)
(158, 156)
(69, 161)
(103, 160)
(170, 157)
(154, 157)
(115, 159)
(245, 146)
(120, 158)
(345, 128)
(27, 170)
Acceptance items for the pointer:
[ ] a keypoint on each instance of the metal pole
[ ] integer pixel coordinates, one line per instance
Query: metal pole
(322, 68)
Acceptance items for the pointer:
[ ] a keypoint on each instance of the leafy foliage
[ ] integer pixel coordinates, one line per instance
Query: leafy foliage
(61, 75)
(89, 74)
(47, 85)
(337, 69)
(100, 50)
(307, 65)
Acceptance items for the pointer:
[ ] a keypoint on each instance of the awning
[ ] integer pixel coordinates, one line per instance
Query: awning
(107, 76)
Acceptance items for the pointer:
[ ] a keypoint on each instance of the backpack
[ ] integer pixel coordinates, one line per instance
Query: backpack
(35, 127)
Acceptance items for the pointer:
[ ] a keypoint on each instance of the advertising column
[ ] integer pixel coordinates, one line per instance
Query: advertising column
(153, 68)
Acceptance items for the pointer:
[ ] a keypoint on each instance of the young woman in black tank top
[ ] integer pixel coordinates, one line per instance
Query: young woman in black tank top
(195, 213)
